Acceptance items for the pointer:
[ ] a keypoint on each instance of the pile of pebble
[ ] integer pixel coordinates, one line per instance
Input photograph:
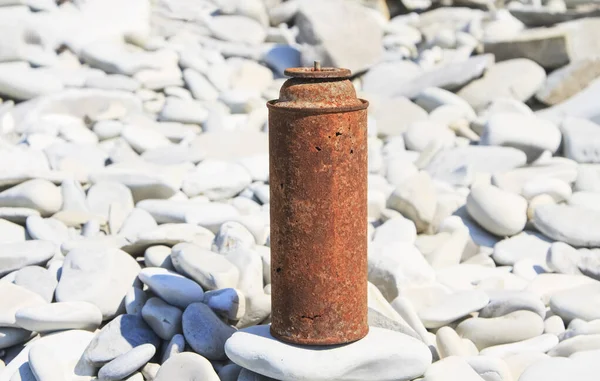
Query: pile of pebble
(134, 188)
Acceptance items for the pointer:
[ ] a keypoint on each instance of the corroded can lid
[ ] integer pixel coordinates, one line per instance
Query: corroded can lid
(318, 89)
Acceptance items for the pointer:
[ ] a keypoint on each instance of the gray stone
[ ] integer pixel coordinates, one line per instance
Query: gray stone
(339, 34)
(505, 302)
(567, 42)
(175, 346)
(569, 80)
(227, 302)
(12, 336)
(205, 332)
(135, 300)
(164, 319)
(121, 335)
(127, 363)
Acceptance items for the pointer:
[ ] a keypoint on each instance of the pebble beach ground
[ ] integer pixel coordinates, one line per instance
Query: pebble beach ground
(134, 188)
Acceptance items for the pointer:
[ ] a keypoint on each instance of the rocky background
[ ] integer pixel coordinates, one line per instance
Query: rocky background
(134, 192)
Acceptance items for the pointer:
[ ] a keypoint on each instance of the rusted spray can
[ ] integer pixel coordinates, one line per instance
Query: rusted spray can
(318, 180)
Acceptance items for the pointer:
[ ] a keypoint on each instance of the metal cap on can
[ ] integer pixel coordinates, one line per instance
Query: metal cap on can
(319, 89)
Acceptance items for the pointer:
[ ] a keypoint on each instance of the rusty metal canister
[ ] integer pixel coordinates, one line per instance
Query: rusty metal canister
(318, 180)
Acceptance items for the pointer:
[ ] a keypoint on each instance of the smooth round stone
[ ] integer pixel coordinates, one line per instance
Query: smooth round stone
(451, 369)
(416, 199)
(98, 276)
(164, 319)
(397, 265)
(258, 309)
(186, 366)
(563, 258)
(227, 302)
(158, 256)
(580, 136)
(121, 335)
(582, 366)
(135, 300)
(14, 256)
(172, 234)
(585, 199)
(248, 375)
(10, 336)
(576, 344)
(505, 302)
(397, 229)
(175, 346)
(526, 245)
(216, 179)
(546, 285)
(453, 307)
(489, 367)
(127, 363)
(232, 236)
(499, 212)
(250, 266)
(142, 139)
(173, 288)
(37, 194)
(210, 215)
(448, 343)
(60, 356)
(103, 194)
(574, 225)
(234, 28)
(420, 134)
(211, 270)
(379, 320)
(531, 134)
(555, 188)
(59, 316)
(38, 280)
(541, 344)
(520, 362)
(395, 357)
(13, 299)
(137, 222)
(205, 332)
(579, 327)
(554, 325)
(17, 215)
(581, 302)
(11, 232)
(510, 328)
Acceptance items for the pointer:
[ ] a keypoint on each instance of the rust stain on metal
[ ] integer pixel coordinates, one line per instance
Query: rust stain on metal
(318, 177)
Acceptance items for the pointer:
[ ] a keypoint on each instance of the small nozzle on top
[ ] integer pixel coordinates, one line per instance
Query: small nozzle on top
(317, 65)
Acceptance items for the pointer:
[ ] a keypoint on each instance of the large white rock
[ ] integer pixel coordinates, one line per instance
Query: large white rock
(416, 199)
(99, 276)
(59, 316)
(498, 211)
(510, 328)
(581, 302)
(37, 194)
(21, 82)
(528, 133)
(15, 256)
(216, 179)
(395, 357)
(574, 225)
(453, 307)
(581, 366)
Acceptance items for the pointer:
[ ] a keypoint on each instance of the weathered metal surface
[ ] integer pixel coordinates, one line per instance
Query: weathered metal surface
(318, 178)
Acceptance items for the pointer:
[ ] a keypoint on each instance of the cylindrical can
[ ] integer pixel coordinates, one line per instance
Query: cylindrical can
(318, 180)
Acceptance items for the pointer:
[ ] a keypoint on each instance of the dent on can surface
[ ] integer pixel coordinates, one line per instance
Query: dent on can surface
(318, 181)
